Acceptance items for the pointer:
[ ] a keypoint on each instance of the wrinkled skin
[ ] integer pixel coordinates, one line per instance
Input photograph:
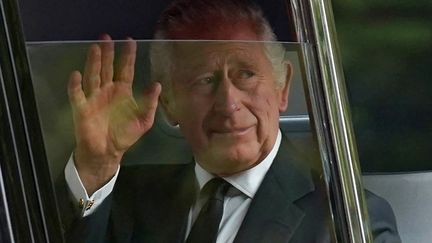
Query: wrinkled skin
(226, 101)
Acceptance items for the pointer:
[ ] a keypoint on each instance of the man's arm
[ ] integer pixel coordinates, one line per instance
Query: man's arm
(107, 120)
(87, 221)
(84, 202)
(92, 228)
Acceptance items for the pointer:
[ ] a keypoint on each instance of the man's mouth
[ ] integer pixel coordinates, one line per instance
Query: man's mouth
(231, 132)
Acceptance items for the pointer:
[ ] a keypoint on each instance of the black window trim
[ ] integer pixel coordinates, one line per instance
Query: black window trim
(28, 205)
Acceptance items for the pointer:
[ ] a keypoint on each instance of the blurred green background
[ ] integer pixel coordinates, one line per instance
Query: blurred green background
(386, 49)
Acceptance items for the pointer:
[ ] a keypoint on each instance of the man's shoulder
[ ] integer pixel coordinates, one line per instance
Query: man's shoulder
(382, 219)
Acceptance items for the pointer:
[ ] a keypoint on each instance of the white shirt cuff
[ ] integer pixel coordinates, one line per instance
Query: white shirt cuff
(87, 204)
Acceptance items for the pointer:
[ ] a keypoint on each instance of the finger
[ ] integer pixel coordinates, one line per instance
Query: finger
(75, 92)
(127, 62)
(107, 49)
(91, 79)
(151, 97)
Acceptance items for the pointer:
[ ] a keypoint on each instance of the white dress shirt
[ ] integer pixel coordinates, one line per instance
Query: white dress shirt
(236, 202)
(86, 203)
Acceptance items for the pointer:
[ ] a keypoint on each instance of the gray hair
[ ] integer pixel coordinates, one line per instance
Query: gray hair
(183, 14)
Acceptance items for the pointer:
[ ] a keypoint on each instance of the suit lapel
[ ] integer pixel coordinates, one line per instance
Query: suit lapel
(273, 215)
(178, 205)
(161, 210)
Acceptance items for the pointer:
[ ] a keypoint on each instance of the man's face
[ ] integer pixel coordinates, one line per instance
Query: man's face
(226, 101)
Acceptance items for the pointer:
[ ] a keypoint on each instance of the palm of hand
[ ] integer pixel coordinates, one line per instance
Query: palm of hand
(109, 122)
(106, 116)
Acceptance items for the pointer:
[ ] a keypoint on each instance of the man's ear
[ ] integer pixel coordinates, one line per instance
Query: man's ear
(168, 107)
(284, 90)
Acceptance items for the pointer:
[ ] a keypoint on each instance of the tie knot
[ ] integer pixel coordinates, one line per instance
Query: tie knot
(216, 188)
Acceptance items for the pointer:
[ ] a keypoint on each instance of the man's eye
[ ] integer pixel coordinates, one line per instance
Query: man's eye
(245, 74)
(206, 80)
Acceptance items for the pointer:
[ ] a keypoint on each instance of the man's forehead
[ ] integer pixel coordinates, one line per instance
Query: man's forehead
(199, 53)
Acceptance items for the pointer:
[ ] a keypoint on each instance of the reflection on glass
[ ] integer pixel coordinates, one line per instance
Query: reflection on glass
(219, 106)
(221, 113)
(52, 62)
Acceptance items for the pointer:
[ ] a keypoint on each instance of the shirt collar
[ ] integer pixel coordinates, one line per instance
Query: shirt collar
(247, 181)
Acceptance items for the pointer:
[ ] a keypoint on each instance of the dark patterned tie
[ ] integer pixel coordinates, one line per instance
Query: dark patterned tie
(206, 226)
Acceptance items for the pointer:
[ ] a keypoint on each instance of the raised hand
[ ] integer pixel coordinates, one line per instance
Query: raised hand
(106, 116)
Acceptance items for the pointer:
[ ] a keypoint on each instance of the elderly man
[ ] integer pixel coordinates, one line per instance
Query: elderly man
(246, 183)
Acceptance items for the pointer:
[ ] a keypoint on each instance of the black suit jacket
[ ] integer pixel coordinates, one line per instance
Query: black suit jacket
(150, 203)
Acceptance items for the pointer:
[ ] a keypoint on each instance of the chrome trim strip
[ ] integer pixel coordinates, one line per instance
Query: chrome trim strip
(318, 112)
(6, 208)
(294, 118)
(340, 120)
(295, 123)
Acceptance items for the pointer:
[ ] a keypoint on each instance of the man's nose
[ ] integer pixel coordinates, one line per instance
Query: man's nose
(227, 98)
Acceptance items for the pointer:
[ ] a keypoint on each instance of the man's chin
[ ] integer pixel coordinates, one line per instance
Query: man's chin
(229, 161)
